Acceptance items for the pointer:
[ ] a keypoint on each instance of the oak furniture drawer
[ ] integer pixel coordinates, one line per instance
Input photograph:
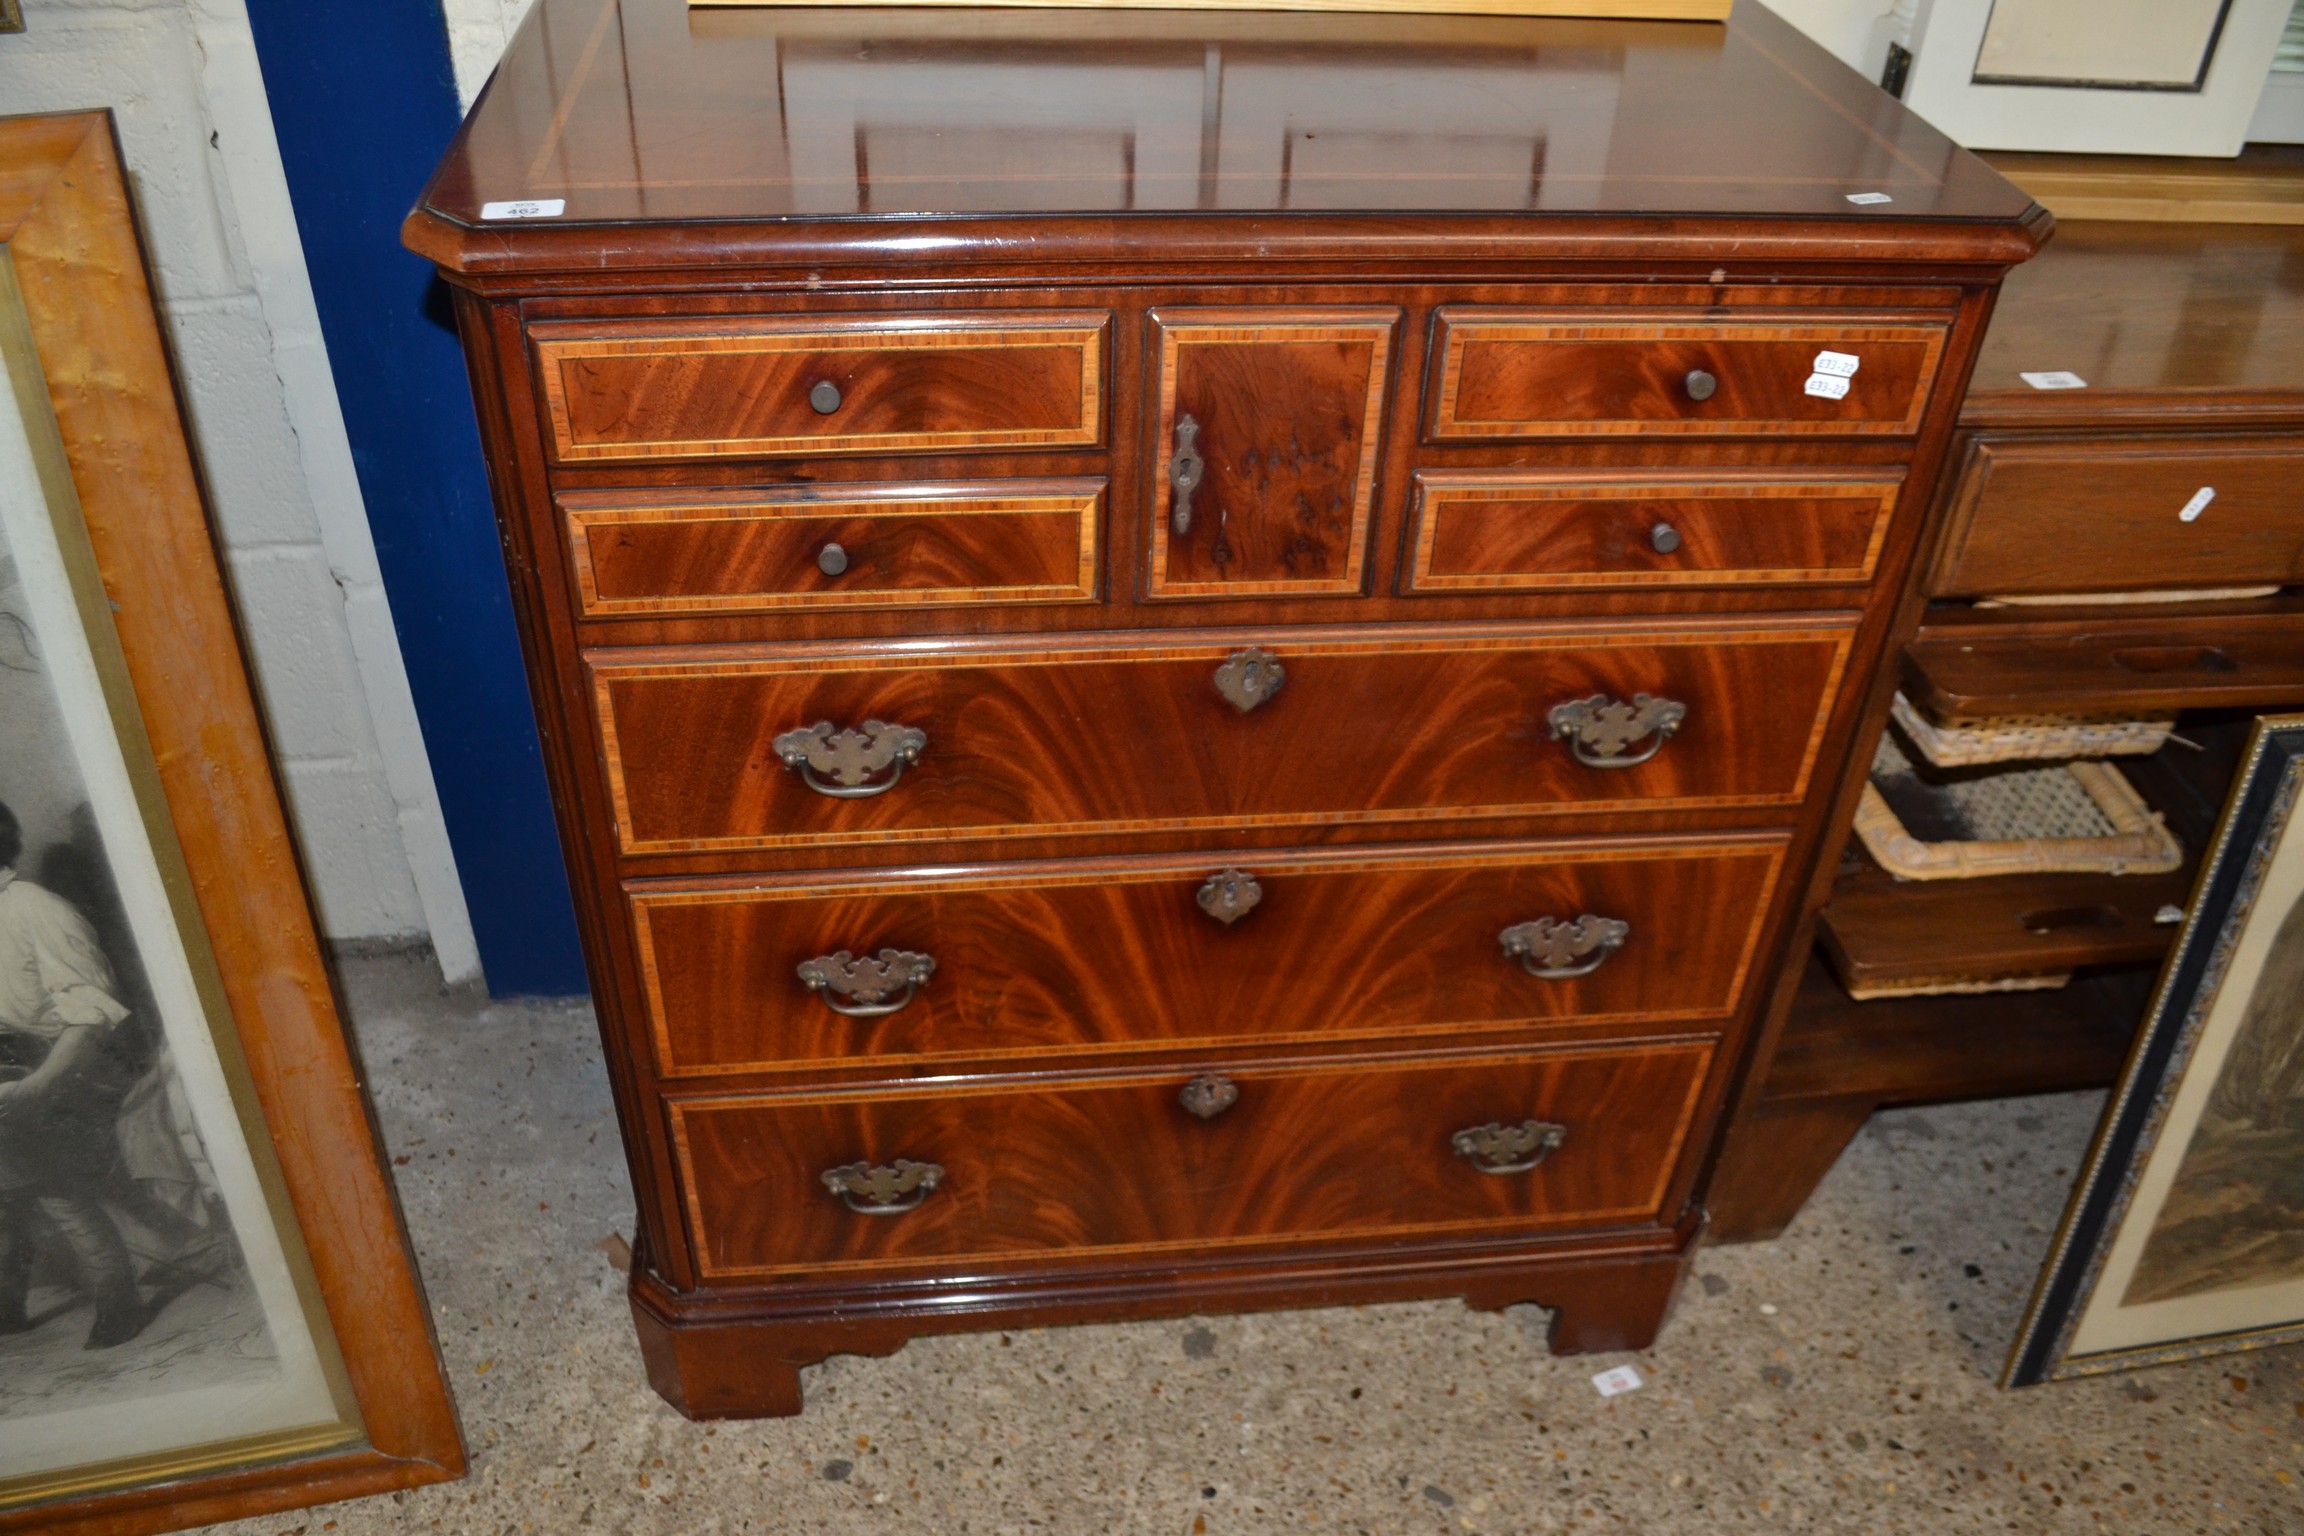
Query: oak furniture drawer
(640, 553)
(763, 747)
(1506, 373)
(770, 385)
(1025, 960)
(1533, 531)
(2130, 513)
(1119, 1166)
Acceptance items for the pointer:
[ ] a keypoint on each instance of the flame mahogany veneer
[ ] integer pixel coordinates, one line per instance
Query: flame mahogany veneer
(1343, 574)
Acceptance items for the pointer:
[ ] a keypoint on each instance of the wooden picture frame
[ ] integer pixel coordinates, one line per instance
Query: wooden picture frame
(117, 517)
(2178, 1242)
(2017, 99)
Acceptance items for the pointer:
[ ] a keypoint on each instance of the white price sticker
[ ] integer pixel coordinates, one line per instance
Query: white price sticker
(2057, 380)
(2198, 504)
(1620, 1378)
(1868, 199)
(1828, 386)
(1842, 364)
(534, 208)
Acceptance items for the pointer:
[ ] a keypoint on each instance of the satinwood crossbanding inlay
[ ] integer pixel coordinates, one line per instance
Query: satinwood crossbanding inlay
(1506, 373)
(1289, 408)
(1048, 958)
(634, 553)
(1514, 530)
(1112, 1166)
(1127, 735)
(750, 385)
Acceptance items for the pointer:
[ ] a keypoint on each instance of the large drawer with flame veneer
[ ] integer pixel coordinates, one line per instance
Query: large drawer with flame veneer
(1506, 373)
(1033, 960)
(1181, 1163)
(744, 386)
(731, 748)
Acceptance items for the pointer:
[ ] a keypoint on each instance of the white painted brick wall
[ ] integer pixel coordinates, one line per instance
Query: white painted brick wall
(180, 78)
(477, 33)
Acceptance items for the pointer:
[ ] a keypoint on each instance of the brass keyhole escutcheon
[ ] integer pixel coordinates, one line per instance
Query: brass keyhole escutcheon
(825, 397)
(1209, 1095)
(1229, 895)
(1248, 678)
(832, 560)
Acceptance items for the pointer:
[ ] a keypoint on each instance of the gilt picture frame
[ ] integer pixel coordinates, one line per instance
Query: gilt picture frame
(2181, 1240)
(208, 1306)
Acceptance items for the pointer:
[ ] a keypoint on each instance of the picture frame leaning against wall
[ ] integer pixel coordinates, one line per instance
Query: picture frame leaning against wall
(208, 1307)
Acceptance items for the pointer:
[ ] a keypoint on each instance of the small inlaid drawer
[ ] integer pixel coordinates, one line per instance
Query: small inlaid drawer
(1181, 1162)
(2079, 514)
(1519, 531)
(1028, 960)
(735, 747)
(737, 386)
(636, 553)
(1507, 373)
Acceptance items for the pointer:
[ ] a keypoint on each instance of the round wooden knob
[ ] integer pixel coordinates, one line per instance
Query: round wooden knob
(825, 397)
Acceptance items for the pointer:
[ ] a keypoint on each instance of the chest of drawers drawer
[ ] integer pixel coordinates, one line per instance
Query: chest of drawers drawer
(1142, 1165)
(2077, 514)
(648, 553)
(796, 746)
(1266, 948)
(797, 384)
(1534, 531)
(1503, 373)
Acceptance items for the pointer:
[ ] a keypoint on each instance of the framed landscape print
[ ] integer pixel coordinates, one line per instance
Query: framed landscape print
(207, 1306)
(2186, 1234)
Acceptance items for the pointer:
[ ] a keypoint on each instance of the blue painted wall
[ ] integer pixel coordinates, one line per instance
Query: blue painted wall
(364, 103)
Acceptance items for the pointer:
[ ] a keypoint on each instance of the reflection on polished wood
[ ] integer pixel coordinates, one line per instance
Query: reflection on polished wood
(638, 110)
(2150, 307)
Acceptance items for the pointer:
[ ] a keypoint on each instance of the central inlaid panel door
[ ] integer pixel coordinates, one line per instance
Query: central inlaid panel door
(1264, 468)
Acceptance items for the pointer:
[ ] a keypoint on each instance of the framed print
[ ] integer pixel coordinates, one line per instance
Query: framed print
(2145, 77)
(207, 1304)
(2186, 1234)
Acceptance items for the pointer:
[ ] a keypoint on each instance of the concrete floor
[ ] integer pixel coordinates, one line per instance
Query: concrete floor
(1838, 1380)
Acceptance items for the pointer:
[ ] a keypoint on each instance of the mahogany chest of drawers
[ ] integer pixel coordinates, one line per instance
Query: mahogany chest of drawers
(1192, 661)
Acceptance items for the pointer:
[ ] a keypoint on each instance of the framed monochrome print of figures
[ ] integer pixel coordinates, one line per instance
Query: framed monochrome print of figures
(207, 1307)
(2186, 1234)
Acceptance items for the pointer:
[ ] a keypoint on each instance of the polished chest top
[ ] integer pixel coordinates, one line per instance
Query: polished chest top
(1191, 661)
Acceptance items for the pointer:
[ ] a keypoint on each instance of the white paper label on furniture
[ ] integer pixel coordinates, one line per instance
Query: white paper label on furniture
(1869, 199)
(1838, 364)
(1828, 386)
(534, 208)
(2198, 504)
(2056, 380)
